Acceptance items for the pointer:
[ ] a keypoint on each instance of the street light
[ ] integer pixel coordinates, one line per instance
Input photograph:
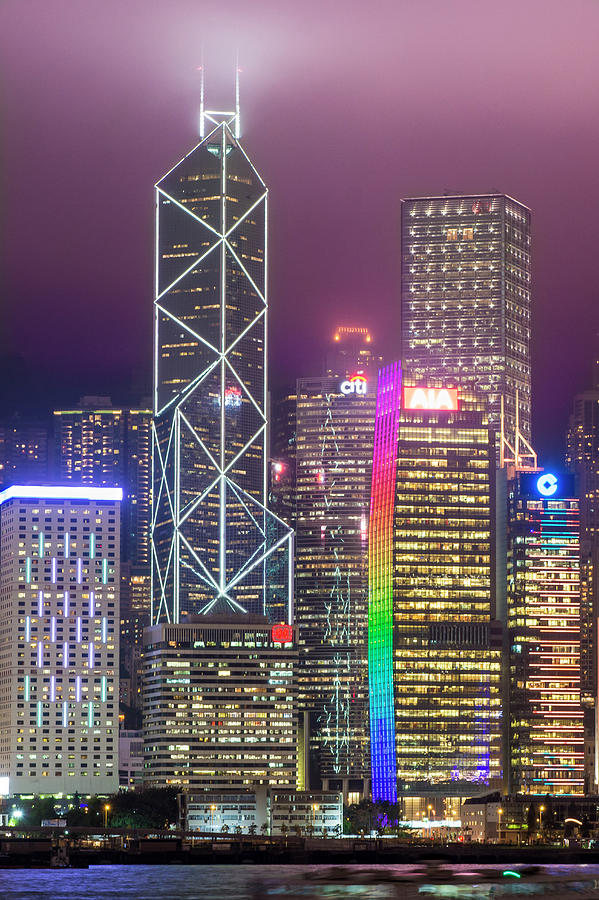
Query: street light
(212, 810)
(499, 813)
(541, 811)
(106, 811)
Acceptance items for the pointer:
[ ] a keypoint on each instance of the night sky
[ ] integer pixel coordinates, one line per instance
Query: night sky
(346, 108)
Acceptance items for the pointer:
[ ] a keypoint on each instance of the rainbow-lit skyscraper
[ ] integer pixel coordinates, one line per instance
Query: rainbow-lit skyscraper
(434, 647)
(216, 548)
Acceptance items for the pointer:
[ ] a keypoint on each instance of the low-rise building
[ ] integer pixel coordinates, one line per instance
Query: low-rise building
(263, 810)
(131, 758)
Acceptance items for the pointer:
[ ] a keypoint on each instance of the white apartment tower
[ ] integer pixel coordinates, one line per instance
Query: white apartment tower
(59, 614)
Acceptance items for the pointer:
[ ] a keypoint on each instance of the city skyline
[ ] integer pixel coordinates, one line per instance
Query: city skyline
(464, 131)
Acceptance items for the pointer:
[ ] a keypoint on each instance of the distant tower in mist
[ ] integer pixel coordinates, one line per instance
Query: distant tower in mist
(216, 549)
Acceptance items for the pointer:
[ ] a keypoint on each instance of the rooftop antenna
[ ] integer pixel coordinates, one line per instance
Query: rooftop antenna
(202, 123)
(237, 107)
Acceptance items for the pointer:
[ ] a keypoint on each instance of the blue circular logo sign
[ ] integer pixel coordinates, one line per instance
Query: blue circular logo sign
(547, 484)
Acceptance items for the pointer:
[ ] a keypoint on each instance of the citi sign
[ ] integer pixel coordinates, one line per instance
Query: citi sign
(357, 384)
(430, 398)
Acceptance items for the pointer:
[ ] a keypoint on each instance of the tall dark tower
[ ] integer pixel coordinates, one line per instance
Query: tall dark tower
(215, 547)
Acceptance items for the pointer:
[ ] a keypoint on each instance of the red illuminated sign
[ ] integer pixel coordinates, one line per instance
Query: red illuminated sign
(282, 634)
(355, 384)
(430, 398)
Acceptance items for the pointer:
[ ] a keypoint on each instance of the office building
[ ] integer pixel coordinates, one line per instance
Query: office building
(59, 613)
(101, 445)
(23, 452)
(582, 459)
(334, 436)
(465, 303)
(434, 648)
(216, 547)
(219, 703)
(546, 746)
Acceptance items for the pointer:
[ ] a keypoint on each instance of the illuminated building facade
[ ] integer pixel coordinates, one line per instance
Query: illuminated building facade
(23, 452)
(466, 301)
(219, 703)
(104, 446)
(434, 648)
(543, 592)
(215, 546)
(334, 434)
(582, 459)
(59, 637)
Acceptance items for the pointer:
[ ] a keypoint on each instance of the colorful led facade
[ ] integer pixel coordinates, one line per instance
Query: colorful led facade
(434, 649)
(465, 307)
(59, 639)
(380, 586)
(546, 744)
(215, 546)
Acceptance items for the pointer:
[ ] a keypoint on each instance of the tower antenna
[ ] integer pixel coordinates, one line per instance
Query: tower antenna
(237, 110)
(202, 123)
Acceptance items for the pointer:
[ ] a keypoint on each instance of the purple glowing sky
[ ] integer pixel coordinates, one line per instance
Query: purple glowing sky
(347, 107)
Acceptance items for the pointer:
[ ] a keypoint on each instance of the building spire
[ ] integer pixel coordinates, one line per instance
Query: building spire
(237, 108)
(202, 122)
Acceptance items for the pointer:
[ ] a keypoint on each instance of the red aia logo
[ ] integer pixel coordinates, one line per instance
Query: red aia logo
(282, 634)
(430, 398)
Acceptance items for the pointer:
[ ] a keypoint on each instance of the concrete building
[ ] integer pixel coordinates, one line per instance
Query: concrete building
(131, 758)
(59, 640)
(272, 811)
(219, 704)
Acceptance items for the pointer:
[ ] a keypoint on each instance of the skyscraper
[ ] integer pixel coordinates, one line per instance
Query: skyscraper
(213, 538)
(582, 459)
(434, 649)
(334, 435)
(466, 302)
(59, 636)
(103, 445)
(543, 602)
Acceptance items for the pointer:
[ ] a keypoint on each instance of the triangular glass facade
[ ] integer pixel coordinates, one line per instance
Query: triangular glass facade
(216, 547)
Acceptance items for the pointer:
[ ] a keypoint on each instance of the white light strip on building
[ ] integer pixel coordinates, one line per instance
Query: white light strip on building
(59, 492)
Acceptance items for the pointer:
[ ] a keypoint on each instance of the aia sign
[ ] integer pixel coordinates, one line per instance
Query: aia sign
(282, 634)
(430, 398)
(356, 384)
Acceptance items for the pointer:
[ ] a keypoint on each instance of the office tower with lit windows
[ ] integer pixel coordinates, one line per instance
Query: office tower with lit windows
(546, 739)
(351, 350)
(582, 459)
(465, 301)
(23, 452)
(219, 703)
(434, 648)
(101, 445)
(59, 639)
(216, 548)
(334, 434)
